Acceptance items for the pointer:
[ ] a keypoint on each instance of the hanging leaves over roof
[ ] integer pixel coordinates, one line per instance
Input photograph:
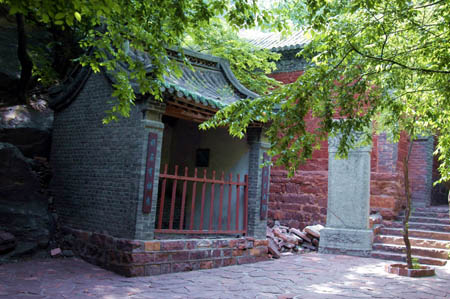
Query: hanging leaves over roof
(110, 27)
(383, 61)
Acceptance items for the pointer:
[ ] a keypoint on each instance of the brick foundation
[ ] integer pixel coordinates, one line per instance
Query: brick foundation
(144, 258)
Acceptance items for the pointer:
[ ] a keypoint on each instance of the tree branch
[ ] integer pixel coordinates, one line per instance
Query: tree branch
(340, 62)
(428, 5)
(398, 63)
(414, 91)
(386, 35)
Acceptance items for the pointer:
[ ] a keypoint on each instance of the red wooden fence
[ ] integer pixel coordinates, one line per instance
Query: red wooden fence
(214, 226)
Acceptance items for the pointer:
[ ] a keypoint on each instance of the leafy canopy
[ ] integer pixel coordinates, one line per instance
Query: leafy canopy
(249, 64)
(111, 27)
(384, 61)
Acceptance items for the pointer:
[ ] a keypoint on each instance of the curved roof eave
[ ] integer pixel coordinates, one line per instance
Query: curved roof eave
(212, 83)
(225, 66)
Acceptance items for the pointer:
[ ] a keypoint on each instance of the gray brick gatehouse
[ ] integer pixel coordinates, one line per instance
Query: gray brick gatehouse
(152, 194)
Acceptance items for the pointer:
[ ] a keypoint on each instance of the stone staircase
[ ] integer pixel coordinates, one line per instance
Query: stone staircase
(429, 233)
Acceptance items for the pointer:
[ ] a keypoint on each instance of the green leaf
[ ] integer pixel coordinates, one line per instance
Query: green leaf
(59, 15)
(77, 16)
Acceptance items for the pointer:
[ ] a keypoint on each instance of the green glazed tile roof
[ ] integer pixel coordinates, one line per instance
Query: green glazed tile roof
(210, 82)
(274, 41)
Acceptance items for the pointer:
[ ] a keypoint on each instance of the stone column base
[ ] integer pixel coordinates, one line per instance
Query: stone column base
(346, 241)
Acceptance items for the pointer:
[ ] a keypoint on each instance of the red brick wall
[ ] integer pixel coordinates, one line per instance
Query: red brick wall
(302, 199)
(386, 193)
(386, 183)
(402, 151)
(419, 170)
(374, 154)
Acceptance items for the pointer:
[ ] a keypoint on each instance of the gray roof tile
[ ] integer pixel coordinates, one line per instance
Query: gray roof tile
(209, 82)
(274, 41)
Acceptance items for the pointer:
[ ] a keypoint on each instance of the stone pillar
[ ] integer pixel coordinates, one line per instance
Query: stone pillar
(257, 222)
(150, 169)
(347, 230)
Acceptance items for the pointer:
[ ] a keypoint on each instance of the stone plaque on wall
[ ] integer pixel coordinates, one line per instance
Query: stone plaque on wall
(150, 172)
(264, 188)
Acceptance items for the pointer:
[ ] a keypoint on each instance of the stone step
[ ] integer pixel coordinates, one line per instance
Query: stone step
(425, 219)
(439, 209)
(401, 257)
(441, 215)
(420, 242)
(416, 251)
(419, 225)
(427, 234)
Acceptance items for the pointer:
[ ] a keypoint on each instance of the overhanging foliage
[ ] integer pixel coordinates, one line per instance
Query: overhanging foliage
(111, 27)
(383, 61)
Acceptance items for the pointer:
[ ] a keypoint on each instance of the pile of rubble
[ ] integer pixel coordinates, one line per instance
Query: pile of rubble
(285, 240)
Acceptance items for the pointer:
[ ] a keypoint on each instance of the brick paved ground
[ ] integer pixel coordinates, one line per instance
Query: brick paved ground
(303, 276)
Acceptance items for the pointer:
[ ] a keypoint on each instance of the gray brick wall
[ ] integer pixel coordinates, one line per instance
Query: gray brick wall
(256, 227)
(145, 223)
(97, 168)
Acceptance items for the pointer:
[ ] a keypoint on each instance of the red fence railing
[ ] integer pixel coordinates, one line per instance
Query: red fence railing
(174, 217)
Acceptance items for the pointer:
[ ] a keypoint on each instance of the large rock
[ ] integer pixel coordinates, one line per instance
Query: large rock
(23, 209)
(24, 249)
(22, 126)
(7, 242)
(26, 128)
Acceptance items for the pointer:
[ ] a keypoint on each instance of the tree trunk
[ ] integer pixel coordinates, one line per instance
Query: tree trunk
(408, 207)
(65, 49)
(25, 60)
